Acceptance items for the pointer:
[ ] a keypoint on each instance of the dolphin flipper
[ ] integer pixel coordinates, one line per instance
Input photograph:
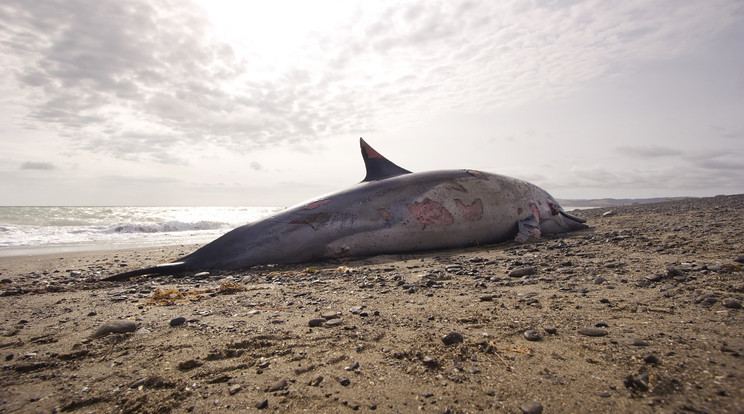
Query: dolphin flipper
(527, 228)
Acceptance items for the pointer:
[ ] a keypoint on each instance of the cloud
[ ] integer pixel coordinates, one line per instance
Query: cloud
(45, 166)
(146, 80)
(649, 151)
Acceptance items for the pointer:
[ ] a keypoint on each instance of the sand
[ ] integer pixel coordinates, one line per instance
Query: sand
(639, 313)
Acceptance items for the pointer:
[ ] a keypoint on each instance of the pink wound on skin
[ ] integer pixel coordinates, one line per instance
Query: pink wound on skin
(430, 212)
(473, 212)
(535, 211)
(316, 204)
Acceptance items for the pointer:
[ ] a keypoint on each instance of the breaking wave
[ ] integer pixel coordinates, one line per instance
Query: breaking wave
(167, 227)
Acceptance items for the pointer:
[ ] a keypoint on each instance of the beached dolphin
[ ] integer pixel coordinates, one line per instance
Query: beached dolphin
(391, 211)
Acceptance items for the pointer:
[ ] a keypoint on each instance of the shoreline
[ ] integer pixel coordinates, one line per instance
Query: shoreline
(83, 248)
(642, 312)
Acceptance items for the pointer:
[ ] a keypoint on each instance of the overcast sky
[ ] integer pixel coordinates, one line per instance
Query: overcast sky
(262, 103)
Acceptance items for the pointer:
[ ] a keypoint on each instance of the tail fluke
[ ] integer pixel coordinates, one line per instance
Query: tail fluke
(159, 270)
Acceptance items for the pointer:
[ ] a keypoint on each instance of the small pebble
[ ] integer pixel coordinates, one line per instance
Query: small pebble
(452, 338)
(190, 364)
(551, 330)
(651, 359)
(523, 271)
(430, 362)
(601, 325)
(117, 326)
(177, 321)
(335, 322)
(234, 389)
(592, 332)
(262, 404)
(654, 278)
(532, 407)
(330, 315)
(674, 271)
(599, 280)
(532, 335)
(639, 342)
(355, 310)
(279, 385)
(344, 381)
(731, 303)
(316, 322)
(739, 258)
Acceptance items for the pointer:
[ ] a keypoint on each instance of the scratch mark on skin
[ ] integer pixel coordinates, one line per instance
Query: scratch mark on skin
(473, 212)
(477, 174)
(430, 212)
(309, 220)
(454, 185)
(385, 214)
(317, 204)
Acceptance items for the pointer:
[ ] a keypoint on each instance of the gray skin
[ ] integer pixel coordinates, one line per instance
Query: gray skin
(391, 211)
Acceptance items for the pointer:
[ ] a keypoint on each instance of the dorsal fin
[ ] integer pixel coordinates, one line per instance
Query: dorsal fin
(378, 167)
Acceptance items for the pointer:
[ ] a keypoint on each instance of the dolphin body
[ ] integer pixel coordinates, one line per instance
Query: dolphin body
(391, 211)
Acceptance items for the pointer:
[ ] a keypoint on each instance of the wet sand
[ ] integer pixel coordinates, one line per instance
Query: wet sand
(639, 313)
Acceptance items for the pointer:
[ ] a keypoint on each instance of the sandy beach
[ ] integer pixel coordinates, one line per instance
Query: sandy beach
(639, 313)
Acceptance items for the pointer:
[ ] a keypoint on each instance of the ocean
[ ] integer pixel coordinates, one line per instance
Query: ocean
(40, 230)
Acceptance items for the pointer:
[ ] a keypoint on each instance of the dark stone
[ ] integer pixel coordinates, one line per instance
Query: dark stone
(651, 359)
(177, 321)
(316, 322)
(452, 338)
(532, 335)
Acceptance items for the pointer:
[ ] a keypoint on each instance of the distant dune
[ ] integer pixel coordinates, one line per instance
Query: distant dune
(611, 202)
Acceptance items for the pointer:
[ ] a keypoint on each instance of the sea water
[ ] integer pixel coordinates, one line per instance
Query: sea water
(36, 230)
